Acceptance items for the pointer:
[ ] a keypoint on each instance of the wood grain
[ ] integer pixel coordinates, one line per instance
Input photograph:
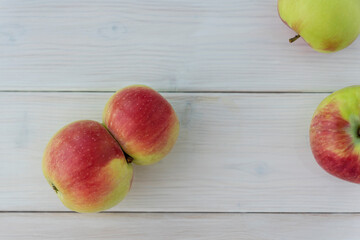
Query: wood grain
(186, 45)
(178, 226)
(235, 153)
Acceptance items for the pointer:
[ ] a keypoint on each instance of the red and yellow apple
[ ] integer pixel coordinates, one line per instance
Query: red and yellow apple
(143, 122)
(335, 134)
(84, 162)
(327, 26)
(86, 167)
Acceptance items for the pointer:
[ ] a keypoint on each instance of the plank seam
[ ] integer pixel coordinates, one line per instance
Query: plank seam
(172, 212)
(182, 92)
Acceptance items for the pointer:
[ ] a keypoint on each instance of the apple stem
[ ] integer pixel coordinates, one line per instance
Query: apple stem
(291, 40)
(358, 132)
(55, 188)
(128, 158)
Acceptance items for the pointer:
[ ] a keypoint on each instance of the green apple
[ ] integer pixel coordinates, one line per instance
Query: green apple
(335, 134)
(326, 25)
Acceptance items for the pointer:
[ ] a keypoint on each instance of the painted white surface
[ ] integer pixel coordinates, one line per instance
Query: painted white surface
(235, 153)
(239, 154)
(70, 226)
(172, 45)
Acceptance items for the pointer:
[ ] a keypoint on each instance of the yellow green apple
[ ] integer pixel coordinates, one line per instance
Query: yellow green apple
(327, 26)
(86, 167)
(143, 122)
(335, 134)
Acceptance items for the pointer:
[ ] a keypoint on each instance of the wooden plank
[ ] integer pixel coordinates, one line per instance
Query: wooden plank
(235, 153)
(229, 45)
(178, 226)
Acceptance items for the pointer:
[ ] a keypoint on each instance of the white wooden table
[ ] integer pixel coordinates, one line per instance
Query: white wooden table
(242, 167)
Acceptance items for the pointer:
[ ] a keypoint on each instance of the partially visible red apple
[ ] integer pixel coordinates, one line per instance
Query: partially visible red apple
(86, 167)
(335, 134)
(143, 122)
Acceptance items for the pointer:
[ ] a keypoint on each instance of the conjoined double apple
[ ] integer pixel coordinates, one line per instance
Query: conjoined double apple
(89, 165)
(327, 26)
(335, 134)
